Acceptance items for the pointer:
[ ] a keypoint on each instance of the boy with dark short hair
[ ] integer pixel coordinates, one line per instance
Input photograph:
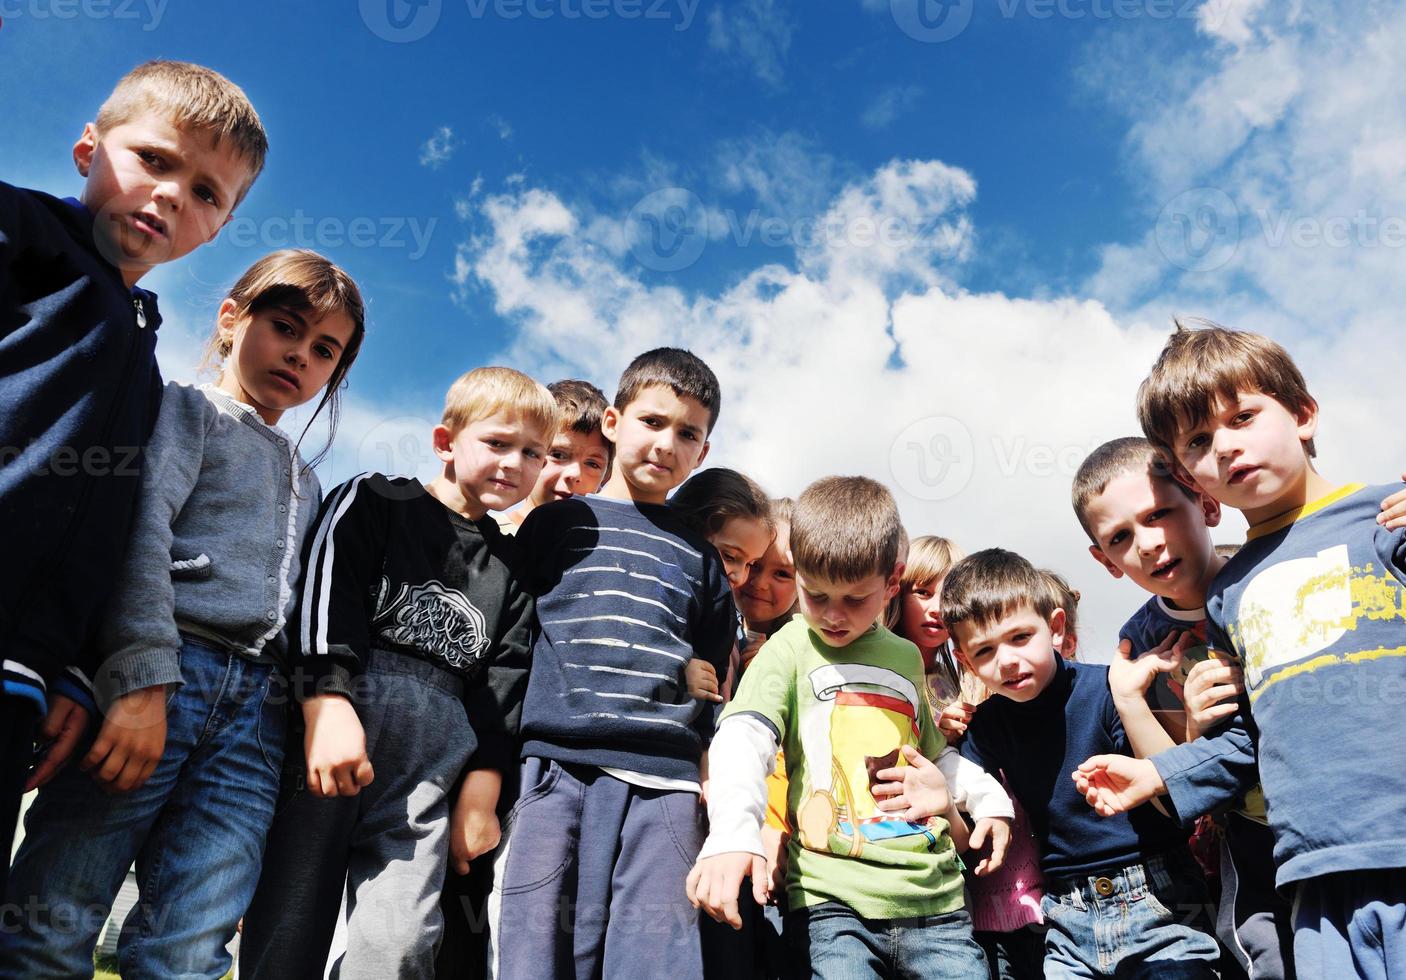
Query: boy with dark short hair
(590, 878)
(1117, 893)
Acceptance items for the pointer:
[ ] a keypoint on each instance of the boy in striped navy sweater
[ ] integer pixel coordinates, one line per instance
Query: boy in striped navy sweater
(591, 880)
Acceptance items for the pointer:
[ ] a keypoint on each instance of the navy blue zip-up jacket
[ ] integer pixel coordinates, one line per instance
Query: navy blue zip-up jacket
(79, 395)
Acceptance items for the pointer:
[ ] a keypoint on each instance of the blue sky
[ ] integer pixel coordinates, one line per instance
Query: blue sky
(1050, 183)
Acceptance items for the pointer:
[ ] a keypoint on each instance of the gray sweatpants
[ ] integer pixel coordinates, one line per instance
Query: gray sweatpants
(388, 846)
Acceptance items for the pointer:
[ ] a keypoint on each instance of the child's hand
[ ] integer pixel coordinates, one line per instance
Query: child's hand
(774, 843)
(1117, 783)
(954, 720)
(914, 792)
(473, 827)
(999, 830)
(1211, 689)
(714, 883)
(1130, 677)
(702, 680)
(130, 742)
(335, 745)
(754, 644)
(62, 728)
(1393, 513)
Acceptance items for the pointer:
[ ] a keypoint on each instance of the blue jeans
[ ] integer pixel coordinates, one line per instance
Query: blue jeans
(1145, 920)
(195, 829)
(830, 941)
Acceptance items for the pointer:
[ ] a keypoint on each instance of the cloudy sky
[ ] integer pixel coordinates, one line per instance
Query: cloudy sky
(938, 242)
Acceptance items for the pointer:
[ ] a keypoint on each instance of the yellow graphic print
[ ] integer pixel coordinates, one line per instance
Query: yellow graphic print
(862, 717)
(1292, 612)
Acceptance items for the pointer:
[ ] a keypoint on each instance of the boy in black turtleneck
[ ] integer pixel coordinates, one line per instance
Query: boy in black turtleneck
(1119, 893)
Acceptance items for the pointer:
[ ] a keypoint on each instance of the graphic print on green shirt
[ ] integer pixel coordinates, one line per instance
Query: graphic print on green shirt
(841, 716)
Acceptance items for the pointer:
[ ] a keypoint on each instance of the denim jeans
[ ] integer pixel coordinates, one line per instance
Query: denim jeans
(830, 941)
(1145, 920)
(195, 829)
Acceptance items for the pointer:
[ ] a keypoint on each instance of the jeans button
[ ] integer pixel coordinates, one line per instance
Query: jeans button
(1103, 886)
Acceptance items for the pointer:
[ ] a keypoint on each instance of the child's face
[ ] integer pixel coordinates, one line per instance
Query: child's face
(841, 612)
(1015, 656)
(575, 464)
(921, 620)
(741, 541)
(1250, 453)
(660, 438)
(494, 461)
(1157, 534)
(770, 590)
(278, 360)
(156, 192)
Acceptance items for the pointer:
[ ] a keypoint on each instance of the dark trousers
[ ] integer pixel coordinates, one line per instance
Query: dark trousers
(17, 728)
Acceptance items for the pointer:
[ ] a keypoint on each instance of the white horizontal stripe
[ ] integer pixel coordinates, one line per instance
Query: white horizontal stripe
(614, 619)
(618, 644)
(15, 667)
(603, 694)
(603, 669)
(640, 599)
(583, 569)
(671, 542)
(594, 714)
(625, 551)
(656, 721)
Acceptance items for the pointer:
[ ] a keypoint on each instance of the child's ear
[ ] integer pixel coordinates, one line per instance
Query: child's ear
(704, 454)
(1210, 508)
(1307, 417)
(1105, 561)
(84, 149)
(894, 581)
(443, 442)
(610, 423)
(1057, 625)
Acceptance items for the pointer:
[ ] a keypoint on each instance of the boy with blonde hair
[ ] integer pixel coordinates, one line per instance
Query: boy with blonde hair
(414, 640)
(173, 150)
(874, 883)
(1312, 608)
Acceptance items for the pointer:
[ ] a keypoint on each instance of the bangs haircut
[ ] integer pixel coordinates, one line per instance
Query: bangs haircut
(196, 100)
(984, 588)
(488, 391)
(313, 287)
(680, 370)
(845, 528)
(1131, 454)
(1202, 365)
(710, 498)
(929, 557)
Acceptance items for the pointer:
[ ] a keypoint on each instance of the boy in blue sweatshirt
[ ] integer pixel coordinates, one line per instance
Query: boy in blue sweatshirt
(173, 150)
(1313, 609)
(590, 881)
(1122, 897)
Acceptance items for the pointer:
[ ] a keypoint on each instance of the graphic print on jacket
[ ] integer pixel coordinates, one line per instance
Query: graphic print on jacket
(433, 618)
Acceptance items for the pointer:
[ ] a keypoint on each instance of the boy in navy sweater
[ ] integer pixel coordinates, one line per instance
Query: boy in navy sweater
(1117, 893)
(173, 149)
(1314, 610)
(591, 879)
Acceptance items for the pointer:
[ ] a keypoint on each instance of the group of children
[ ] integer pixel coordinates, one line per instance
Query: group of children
(535, 673)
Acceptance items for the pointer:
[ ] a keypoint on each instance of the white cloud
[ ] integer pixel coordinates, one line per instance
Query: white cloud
(757, 34)
(437, 150)
(501, 126)
(889, 104)
(842, 354)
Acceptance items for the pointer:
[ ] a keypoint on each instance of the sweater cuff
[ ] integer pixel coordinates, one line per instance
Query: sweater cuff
(124, 673)
(78, 688)
(326, 678)
(495, 751)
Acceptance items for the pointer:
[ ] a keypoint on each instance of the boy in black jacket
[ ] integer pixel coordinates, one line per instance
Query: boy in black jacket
(172, 151)
(415, 634)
